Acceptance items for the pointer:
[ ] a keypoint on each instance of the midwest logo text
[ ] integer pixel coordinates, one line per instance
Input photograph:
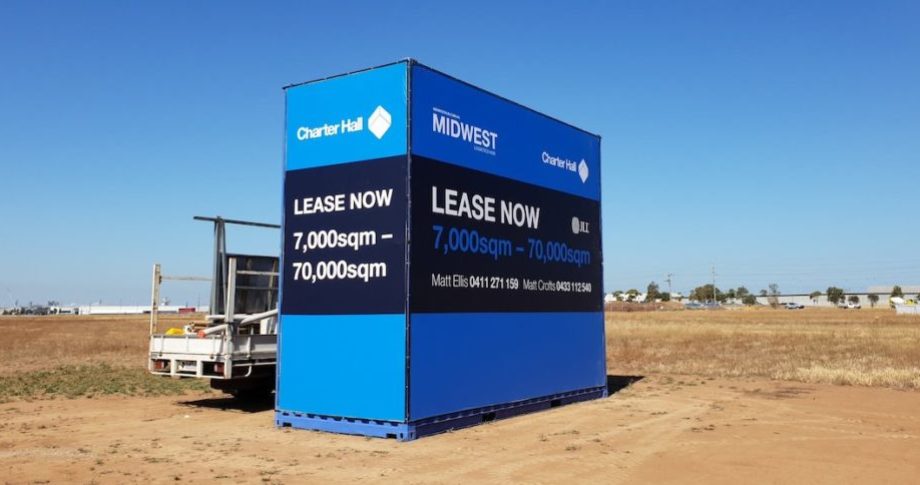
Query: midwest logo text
(449, 124)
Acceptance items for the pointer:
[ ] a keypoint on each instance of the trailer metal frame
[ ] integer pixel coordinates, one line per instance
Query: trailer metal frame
(237, 351)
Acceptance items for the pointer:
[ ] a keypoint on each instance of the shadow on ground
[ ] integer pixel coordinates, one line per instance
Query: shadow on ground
(230, 403)
(616, 384)
(259, 404)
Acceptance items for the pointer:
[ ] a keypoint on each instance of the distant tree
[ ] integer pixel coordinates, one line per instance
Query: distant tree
(742, 292)
(665, 296)
(873, 299)
(774, 295)
(834, 295)
(701, 293)
(749, 299)
(814, 295)
(763, 292)
(707, 293)
(651, 292)
(896, 292)
(631, 294)
(853, 299)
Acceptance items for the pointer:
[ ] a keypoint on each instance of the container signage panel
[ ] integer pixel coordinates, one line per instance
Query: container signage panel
(506, 265)
(343, 270)
(359, 116)
(457, 123)
(484, 243)
(345, 237)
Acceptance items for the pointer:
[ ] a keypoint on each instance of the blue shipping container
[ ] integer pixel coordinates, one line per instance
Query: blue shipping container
(441, 256)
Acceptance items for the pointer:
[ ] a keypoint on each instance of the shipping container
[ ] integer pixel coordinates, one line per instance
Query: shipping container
(441, 256)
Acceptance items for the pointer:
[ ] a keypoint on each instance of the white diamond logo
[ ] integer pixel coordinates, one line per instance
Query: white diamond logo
(379, 122)
(582, 170)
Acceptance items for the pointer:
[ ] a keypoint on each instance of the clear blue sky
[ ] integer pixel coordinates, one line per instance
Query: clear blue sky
(776, 140)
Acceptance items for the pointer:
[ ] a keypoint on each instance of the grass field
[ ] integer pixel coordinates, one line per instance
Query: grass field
(73, 356)
(40, 343)
(89, 355)
(854, 347)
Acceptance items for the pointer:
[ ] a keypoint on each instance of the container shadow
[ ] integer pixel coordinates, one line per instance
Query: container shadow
(229, 403)
(616, 384)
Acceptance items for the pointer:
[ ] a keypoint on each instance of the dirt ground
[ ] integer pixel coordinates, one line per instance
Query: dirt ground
(660, 429)
(715, 397)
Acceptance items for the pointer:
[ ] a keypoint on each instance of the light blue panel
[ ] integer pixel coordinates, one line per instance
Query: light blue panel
(462, 361)
(343, 365)
(359, 116)
(457, 123)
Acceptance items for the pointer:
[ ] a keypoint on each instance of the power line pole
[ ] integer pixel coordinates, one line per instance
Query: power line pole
(713, 283)
(668, 280)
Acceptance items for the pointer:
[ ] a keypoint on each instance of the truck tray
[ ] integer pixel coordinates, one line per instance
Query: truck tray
(193, 356)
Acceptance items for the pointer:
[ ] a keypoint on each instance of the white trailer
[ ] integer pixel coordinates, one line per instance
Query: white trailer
(236, 346)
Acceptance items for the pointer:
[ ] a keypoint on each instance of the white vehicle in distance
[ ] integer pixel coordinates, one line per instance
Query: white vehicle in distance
(793, 306)
(853, 306)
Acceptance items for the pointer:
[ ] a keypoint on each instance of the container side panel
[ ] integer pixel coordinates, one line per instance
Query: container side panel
(469, 360)
(506, 261)
(343, 365)
(342, 330)
(460, 124)
(355, 117)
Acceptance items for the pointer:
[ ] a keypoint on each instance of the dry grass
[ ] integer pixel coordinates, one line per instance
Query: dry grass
(92, 380)
(42, 343)
(865, 347)
(71, 356)
(623, 306)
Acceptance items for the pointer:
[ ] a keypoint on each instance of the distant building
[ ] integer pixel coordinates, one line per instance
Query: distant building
(908, 290)
(637, 298)
(63, 310)
(905, 309)
(135, 309)
(883, 293)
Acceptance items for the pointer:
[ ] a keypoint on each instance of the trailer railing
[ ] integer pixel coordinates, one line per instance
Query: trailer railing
(158, 278)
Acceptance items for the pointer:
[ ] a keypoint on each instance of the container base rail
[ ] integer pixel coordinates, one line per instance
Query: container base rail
(434, 425)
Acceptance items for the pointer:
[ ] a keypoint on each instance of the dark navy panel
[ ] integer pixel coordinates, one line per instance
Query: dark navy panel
(469, 360)
(458, 123)
(358, 116)
(469, 254)
(343, 365)
(346, 261)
